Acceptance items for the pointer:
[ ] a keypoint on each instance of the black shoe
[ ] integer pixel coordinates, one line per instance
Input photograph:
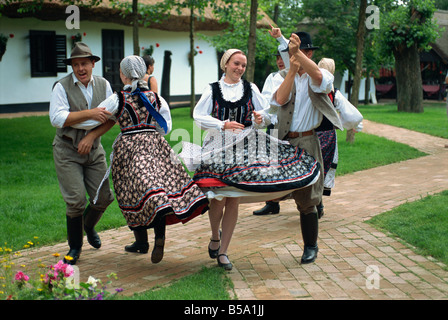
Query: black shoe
(157, 252)
(309, 254)
(91, 218)
(226, 266)
(92, 237)
(141, 242)
(72, 256)
(214, 253)
(141, 247)
(271, 207)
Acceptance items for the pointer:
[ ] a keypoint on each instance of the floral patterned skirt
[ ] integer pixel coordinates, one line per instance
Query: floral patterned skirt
(252, 162)
(329, 147)
(150, 182)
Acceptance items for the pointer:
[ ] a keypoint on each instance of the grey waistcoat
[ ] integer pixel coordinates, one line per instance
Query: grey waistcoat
(78, 102)
(320, 101)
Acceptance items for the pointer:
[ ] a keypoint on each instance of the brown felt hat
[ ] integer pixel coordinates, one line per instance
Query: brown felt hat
(81, 50)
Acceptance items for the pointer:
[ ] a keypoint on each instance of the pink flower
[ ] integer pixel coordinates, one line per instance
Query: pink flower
(66, 269)
(20, 276)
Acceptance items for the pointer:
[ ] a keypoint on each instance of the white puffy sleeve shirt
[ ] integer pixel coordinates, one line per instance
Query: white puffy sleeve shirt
(59, 107)
(231, 92)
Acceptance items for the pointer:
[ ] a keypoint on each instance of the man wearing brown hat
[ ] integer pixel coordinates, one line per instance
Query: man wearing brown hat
(300, 97)
(80, 160)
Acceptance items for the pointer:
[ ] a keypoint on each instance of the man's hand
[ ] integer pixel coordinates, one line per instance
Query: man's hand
(85, 145)
(275, 32)
(100, 114)
(294, 64)
(294, 44)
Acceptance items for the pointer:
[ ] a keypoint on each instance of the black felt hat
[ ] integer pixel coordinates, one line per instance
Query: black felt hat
(305, 41)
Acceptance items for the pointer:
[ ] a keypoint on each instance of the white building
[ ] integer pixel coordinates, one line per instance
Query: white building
(37, 42)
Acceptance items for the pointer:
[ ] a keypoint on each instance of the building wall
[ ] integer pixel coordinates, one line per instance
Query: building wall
(15, 65)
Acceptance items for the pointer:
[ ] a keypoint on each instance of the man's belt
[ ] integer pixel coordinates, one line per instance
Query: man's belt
(293, 135)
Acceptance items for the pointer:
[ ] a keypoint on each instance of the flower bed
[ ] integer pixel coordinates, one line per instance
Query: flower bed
(59, 281)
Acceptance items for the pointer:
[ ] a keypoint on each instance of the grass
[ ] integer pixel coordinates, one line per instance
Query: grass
(31, 204)
(207, 284)
(370, 151)
(433, 120)
(423, 224)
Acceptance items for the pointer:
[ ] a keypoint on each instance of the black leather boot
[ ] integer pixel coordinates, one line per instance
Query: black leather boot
(310, 229)
(141, 242)
(271, 207)
(91, 218)
(159, 241)
(75, 236)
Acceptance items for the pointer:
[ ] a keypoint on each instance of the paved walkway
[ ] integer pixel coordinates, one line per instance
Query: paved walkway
(266, 250)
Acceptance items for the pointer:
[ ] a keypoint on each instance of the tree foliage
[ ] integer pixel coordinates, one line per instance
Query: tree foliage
(407, 25)
(407, 30)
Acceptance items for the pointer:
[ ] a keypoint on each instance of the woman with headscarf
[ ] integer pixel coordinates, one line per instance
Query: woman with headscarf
(326, 132)
(151, 186)
(238, 163)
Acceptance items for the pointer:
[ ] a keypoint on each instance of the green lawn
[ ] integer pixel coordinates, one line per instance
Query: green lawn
(423, 224)
(433, 120)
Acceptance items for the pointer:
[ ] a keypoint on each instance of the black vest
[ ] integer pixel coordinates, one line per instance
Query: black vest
(239, 111)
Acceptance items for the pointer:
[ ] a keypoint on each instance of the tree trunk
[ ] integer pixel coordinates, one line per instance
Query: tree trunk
(191, 56)
(360, 37)
(135, 27)
(409, 79)
(250, 71)
(268, 68)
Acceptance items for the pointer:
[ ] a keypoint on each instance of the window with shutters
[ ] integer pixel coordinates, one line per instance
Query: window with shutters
(47, 52)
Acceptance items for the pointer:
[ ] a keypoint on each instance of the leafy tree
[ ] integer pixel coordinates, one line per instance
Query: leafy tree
(158, 12)
(235, 14)
(405, 31)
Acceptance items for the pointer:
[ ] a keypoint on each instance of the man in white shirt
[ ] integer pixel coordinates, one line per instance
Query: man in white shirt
(80, 160)
(297, 117)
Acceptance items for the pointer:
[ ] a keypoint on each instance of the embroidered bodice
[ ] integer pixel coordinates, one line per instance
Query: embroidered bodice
(239, 111)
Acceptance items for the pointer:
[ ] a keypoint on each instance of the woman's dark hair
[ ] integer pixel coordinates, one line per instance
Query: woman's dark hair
(149, 61)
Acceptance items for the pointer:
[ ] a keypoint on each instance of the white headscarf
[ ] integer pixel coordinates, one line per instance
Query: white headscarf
(134, 68)
(328, 64)
(226, 56)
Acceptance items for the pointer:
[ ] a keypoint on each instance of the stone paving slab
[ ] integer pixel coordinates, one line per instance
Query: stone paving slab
(355, 262)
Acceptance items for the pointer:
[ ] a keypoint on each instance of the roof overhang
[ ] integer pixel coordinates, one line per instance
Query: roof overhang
(104, 12)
